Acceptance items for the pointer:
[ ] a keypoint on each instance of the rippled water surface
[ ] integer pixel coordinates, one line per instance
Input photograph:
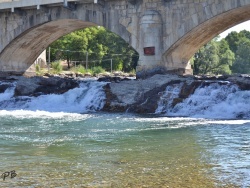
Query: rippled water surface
(113, 150)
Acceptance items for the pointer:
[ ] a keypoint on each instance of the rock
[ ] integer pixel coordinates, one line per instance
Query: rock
(4, 86)
(25, 87)
(140, 96)
(115, 79)
(117, 73)
(112, 102)
(243, 81)
(188, 89)
(36, 86)
(80, 75)
(56, 85)
(87, 74)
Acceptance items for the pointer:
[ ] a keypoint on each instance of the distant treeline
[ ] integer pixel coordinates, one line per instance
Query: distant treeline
(227, 56)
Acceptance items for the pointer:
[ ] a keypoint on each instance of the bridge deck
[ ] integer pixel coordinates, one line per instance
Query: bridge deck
(12, 4)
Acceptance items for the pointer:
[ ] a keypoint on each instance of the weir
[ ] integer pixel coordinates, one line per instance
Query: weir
(165, 33)
(217, 99)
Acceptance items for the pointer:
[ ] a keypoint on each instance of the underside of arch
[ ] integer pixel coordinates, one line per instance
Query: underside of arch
(21, 53)
(179, 54)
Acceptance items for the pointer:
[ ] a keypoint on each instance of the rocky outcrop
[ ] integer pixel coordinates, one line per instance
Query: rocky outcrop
(4, 86)
(243, 81)
(138, 96)
(36, 86)
(142, 96)
(124, 94)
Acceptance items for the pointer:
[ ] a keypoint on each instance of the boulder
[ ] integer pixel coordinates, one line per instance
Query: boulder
(36, 86)
(4, 86)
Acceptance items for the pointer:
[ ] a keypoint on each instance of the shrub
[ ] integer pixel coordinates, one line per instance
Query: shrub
(98, 70)
(38, 69)
(81, 69)
(57, 67)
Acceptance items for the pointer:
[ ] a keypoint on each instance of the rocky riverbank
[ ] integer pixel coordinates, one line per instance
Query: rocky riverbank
(123, 94)
(142, 96)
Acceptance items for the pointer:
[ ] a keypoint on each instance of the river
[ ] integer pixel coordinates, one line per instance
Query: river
(74, 146)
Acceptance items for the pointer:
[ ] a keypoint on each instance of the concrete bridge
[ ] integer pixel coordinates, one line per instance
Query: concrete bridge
(165, 33)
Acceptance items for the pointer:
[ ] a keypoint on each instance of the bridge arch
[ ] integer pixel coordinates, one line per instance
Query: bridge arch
(179, 54)
(173, 30)
(22, 52)
(21, 43)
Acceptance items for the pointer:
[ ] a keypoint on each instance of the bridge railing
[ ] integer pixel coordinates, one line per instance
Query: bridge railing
(12, 4)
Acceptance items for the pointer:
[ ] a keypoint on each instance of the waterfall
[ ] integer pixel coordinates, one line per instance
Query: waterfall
(167, 97)
(214, 100)
(89, 97)
(219, 100)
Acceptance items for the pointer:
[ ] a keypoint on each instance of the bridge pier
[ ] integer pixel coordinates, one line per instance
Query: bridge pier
(143, 71)
(151, 49)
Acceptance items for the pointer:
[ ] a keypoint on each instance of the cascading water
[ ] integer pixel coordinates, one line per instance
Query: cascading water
(88, 97)
(168, 96)
(48, 145)
(215, 100)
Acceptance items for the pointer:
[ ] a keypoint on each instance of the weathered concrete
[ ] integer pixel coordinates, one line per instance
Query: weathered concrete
(176, 29)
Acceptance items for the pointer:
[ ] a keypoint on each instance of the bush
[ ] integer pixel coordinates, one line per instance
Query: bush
(98, 70)
(81, 69)
(38, 69)
(57, 67)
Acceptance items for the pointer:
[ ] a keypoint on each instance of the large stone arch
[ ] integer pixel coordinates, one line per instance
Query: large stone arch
(21, 53)
(28, 33)
(180, 52)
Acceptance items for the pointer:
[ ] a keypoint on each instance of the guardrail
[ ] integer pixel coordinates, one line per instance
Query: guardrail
(12, 4)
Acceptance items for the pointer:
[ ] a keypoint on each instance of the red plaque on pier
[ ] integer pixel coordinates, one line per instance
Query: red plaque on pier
(149, 50)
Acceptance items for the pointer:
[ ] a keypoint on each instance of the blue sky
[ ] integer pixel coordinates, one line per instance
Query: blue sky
(237, 28)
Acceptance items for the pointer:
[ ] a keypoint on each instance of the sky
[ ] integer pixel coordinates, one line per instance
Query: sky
(237, 28)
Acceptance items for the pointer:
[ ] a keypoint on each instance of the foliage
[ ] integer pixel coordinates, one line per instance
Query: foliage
(242, 62)
(38, 69)
(213, 58)
(56, 66)
(97, 46)
(98, 70)
(78, 69)
(229, 55)
(81, 69)
(234, 39)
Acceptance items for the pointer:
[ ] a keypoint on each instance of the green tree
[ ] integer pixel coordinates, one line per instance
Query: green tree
(242, 62)
(234, 39)
(101, 46)
(213, 58)
(239, 44)
(246, 33)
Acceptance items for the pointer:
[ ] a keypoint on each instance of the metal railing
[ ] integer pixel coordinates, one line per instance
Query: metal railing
(12, 4)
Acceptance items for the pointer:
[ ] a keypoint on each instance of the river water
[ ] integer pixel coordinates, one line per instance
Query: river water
(71, 146)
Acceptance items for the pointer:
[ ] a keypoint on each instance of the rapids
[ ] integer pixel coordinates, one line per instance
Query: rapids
(65, 141)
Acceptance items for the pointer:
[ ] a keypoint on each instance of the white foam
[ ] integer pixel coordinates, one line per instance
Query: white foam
(22, 114)
(214, 102)
(8, 93)
(88, 97)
